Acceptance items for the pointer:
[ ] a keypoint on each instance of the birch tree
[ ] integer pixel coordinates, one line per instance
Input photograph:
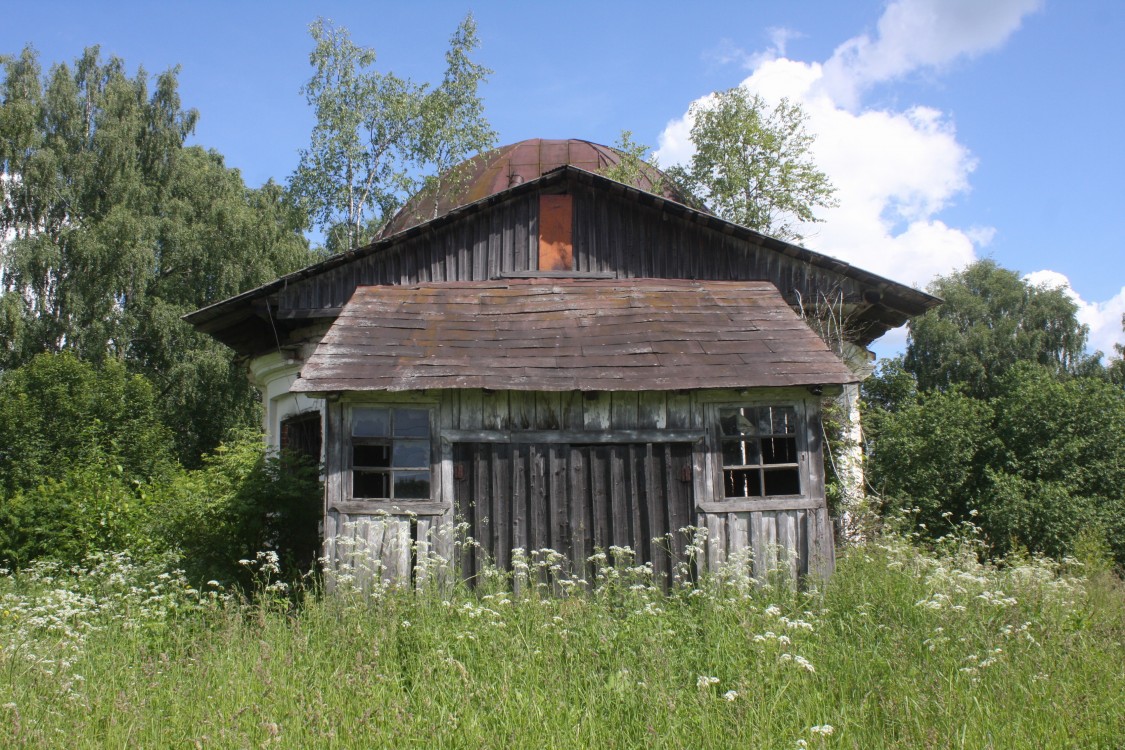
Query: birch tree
(376, 132)
(753, 164)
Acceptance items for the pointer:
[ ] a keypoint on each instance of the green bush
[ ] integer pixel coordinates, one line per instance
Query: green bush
(241, 501)
(92, 508)
(927, 456)
(1042, 461)
(58, 412)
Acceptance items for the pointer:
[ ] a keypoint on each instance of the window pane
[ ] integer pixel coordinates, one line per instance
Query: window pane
(742, 483)
(784, 420)
(782, 482)
(740, 452)
(371, 422)
(373, 456)
(412, 485)
(779, 450)
(737, 421)
(411, 453)
(371, 484)
(412, 423)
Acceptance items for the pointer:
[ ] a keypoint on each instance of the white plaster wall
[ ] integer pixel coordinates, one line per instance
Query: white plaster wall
(273, 374)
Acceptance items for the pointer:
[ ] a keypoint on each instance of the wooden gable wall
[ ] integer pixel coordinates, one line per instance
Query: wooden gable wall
(613, 235)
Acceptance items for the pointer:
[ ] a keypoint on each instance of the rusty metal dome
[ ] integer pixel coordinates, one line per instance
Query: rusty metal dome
(508, 166)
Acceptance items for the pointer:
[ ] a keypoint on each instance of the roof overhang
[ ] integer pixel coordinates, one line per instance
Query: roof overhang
(572, 335)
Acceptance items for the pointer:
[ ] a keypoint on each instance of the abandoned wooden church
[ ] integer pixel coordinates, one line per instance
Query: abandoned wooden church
(558, 360)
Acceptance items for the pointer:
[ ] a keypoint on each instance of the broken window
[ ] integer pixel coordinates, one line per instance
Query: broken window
(390, 454)
(759, 446)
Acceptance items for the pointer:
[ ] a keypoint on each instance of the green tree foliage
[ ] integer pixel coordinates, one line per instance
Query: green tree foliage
(1116, 367)
(752, 163)
(117, 229)
(1059, 462)
(637, 165)
(996, 410)
(926, 455)
(374, 131)
(453, 125)
(241, 501)
(990, 320)
(58, 412)
(78, 442)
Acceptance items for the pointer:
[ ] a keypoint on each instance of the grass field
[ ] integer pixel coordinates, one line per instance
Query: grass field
(901, 648)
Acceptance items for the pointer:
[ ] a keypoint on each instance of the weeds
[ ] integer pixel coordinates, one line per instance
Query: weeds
(901, 648)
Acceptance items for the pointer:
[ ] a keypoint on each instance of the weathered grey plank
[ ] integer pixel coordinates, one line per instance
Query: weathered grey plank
(716, 540)
(596, 411)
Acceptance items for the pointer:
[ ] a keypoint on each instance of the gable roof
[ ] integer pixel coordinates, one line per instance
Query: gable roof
(585, 335)
(246, 316)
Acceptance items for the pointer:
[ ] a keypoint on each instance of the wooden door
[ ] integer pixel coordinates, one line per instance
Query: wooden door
(575, 499)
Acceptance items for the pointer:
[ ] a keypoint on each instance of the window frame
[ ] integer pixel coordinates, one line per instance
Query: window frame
(353, 440)
(808, 495)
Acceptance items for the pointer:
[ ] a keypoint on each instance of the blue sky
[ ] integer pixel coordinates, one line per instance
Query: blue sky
(954, 129)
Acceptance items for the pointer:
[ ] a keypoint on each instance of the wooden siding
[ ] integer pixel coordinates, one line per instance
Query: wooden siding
(610, 446)
(612, 235)
(574, 499)
(481, 247)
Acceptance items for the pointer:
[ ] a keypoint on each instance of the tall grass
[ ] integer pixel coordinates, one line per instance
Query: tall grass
(901, 648)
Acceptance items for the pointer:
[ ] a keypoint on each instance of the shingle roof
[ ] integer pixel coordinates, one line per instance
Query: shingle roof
(586, 335)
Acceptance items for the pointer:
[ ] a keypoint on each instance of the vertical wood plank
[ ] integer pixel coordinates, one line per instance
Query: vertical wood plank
(769, 527)
(578, 489)
(560, 507)
(472, 410)
(623, 414)
(500, 506)
(573, 410)
(652, 412)
(520, 510)
(599, 496)
(522, 405)
(538, 531)
(739, 534)
(331, 529)
(619, 508)
(638, 500)
(679, 410)
(548, 410)
(657, 501)
(423, 551)
(596, 412)
(495, 410)
(716, 540)
(757, 546)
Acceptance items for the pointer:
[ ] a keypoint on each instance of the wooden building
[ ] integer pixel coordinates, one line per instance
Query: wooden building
(556, 360)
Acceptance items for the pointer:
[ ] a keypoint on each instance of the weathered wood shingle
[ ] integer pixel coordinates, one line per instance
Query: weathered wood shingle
(585, 335)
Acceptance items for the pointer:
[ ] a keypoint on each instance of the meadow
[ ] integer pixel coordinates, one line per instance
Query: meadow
(903, 647)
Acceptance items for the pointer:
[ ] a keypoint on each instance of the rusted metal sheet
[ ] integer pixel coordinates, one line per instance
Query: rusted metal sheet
(568, 335)
(508, 166)
(556, 228)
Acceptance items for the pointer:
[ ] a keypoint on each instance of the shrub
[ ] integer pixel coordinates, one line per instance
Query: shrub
(243, 500)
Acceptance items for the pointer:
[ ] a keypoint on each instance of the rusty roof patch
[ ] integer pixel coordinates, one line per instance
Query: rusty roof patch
(585, 335)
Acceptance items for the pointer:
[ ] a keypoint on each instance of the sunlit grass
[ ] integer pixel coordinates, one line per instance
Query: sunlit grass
(902, 648)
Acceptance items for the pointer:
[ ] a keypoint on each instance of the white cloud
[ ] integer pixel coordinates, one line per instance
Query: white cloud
(894, 171)
(914, 34)
(1103, 318)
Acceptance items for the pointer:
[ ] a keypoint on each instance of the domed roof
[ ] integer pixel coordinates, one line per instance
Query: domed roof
(508, 166)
